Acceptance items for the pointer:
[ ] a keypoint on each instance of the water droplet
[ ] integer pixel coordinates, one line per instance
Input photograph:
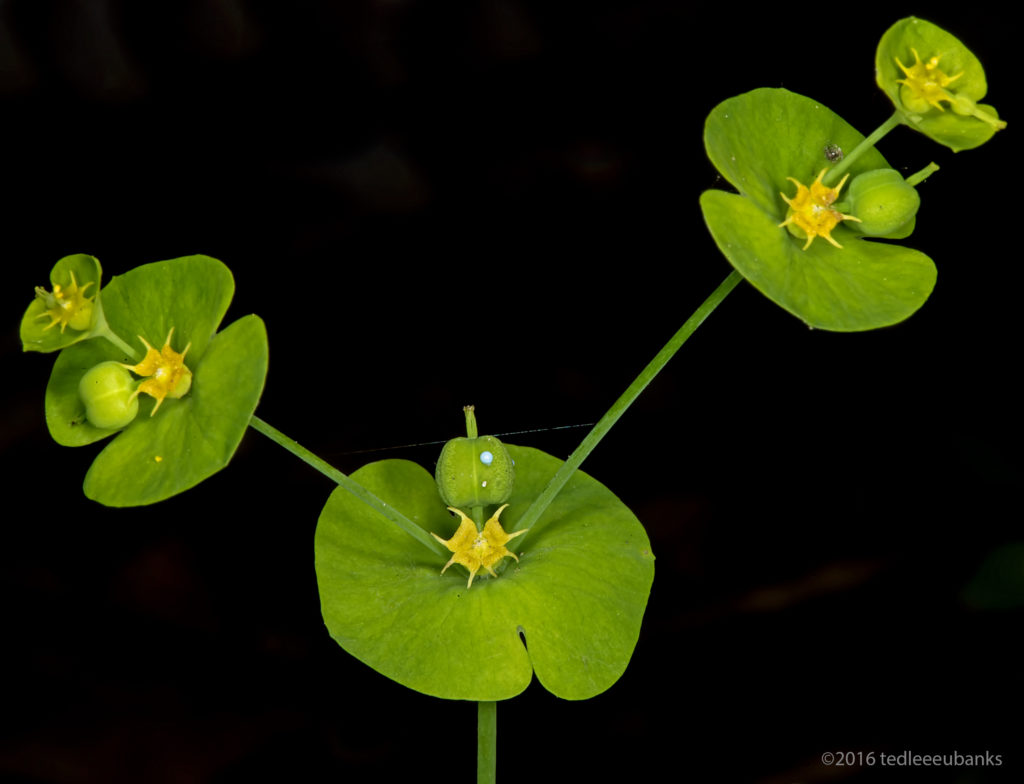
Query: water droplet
(486, 458)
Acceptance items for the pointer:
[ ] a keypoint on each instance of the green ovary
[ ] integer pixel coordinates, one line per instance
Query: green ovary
(883, 201)
(108, 393)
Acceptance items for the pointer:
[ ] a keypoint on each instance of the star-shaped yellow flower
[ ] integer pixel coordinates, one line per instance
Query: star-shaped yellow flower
(66, 306)
(810, 210)
(474, 549)
(168, 375)
(925, 84)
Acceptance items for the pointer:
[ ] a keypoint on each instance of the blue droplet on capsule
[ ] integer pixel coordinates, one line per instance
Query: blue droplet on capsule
(486, 458)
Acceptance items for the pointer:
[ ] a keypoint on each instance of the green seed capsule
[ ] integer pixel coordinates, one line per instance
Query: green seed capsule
(883, 201)
(474, 472)
(108, 392)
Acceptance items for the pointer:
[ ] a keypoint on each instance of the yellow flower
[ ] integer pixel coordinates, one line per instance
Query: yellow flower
(66, 306)
(474, 549)
(167, 373)
(925, 84)
(810, 210)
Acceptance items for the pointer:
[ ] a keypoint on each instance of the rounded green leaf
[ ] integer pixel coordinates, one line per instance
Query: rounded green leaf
(862, 286)
(956, 80)
(39, 332)
(188, 439)
(760, 139)
(577, 594)
(160, 456)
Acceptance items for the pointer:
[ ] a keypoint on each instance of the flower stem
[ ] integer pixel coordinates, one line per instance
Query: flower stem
(600, 430)
(851, 157)
(486, 742)
(107, 333)
(348, 484)
(101, 329)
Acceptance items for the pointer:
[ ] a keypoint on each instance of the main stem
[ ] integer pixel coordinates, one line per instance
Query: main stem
(600, 430)
(486, 742)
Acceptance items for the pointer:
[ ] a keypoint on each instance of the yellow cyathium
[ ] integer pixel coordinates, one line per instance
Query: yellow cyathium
(66, 306)
(473, 548)
(810, 210)
(167, 374)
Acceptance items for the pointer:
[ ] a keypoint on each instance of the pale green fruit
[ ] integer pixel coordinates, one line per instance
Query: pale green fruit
(474, 472)
(108, 392)
(883, 201)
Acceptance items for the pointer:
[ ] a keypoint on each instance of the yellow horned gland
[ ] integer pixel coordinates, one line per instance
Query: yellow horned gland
(166, 371)
(925, 84)
(67, 307)
(474, 549)
(810, 210)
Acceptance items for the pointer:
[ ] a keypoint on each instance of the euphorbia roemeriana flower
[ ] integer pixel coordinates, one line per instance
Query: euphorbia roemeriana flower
(925, 84)
(810, 210)
(168, 375)
(473, 548)
(66, 306)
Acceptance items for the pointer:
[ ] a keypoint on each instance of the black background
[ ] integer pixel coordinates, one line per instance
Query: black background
(495, 202)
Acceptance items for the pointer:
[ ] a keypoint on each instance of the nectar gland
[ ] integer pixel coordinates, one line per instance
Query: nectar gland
(810, 210)
(474, 549)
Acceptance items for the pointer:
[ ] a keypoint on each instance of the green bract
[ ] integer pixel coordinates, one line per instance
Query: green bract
(54, 319)
(155, 457)
(758, 140)
(577, 593)
(935, 82)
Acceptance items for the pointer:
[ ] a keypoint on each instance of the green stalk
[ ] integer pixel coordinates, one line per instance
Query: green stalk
(350, 485)
(486, 742)
(851, 157)
(600, 430)
(107, 333)
(101, 329)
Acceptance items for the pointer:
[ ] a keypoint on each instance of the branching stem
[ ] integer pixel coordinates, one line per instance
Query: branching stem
(600, 430)
(833, 174)
(342, 480)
